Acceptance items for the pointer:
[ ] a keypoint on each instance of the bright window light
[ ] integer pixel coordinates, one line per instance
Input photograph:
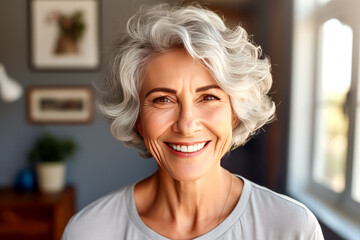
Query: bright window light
(331, 127)
(323, 1)
(356, 168)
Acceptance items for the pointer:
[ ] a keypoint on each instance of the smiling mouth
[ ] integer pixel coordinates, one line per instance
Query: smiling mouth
(187, 148)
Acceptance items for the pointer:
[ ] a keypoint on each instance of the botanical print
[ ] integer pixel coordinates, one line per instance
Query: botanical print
(64, 34)
(71, 29)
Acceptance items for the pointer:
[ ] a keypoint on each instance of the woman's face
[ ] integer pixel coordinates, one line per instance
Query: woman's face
(185, 117)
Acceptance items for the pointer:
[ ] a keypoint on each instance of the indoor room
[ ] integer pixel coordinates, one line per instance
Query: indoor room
(60, 149)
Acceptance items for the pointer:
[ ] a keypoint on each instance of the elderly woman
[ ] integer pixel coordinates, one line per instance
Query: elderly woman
(185, 89)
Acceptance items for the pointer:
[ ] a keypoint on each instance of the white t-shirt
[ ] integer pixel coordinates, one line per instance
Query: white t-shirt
(260, 214)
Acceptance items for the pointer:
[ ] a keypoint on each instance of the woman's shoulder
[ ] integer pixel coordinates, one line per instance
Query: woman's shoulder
(108, 202)
(273, 201)
(103, 214)
(278, 215)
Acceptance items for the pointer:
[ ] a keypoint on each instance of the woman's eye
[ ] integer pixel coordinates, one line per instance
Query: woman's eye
(162, 100)
(210, 98)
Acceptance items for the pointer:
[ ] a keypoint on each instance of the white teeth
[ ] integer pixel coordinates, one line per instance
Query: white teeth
(183, 149)
(190, 148)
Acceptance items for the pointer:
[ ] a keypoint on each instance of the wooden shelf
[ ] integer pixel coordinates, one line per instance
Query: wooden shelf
(35, 215)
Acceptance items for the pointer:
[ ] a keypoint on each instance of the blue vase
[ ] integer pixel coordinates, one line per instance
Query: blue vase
(25, 180)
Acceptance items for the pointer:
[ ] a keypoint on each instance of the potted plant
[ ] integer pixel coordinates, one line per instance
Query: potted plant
(49, 154)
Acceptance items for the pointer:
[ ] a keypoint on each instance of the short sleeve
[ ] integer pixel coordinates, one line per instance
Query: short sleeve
(318, 235)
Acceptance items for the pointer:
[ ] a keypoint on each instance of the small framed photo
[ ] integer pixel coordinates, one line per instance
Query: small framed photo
(64, 34)
(60, 105)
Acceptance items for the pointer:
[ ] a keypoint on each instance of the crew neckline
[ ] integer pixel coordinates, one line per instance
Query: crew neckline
(215, 233)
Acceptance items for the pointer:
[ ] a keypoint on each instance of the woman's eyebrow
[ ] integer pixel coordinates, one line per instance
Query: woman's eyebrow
(169, 90)
(201, 89)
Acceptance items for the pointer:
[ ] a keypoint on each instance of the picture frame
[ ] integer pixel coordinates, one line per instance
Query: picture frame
(64, 34)
(60, 104)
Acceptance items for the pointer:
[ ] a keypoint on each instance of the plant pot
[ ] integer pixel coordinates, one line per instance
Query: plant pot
(51, 177)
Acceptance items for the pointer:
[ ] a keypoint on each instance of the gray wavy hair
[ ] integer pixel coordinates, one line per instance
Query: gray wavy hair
(234, 62)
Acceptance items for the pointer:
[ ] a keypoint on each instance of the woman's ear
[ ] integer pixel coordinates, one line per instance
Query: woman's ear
(138, 126)
(234, 120)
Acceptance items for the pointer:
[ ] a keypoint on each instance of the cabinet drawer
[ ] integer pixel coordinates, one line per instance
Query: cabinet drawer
(25, 222)
(30, 216)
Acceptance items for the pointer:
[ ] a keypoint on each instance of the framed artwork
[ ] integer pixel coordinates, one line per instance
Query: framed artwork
(64, 34)
(60, 105)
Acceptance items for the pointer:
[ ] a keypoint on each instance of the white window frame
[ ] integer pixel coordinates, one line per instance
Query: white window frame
(338, 211)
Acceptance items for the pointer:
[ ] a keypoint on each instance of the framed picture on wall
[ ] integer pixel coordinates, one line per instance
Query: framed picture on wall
(60, 105)
(64, 34)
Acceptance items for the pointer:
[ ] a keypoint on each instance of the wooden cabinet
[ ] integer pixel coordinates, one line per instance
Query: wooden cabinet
(35, 215)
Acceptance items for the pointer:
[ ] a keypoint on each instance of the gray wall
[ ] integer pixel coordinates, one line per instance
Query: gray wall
(102, 164)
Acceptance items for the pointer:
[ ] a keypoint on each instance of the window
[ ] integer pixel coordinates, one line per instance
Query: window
(356, 170)
(331, 105)
(324, 149)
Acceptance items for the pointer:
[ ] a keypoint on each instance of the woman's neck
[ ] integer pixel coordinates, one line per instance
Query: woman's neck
(187, 207)
(196, 198)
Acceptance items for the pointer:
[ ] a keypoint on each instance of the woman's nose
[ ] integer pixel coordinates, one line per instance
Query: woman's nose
(188, 121)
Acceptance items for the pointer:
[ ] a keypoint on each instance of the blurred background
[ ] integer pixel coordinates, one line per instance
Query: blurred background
(53, 53)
